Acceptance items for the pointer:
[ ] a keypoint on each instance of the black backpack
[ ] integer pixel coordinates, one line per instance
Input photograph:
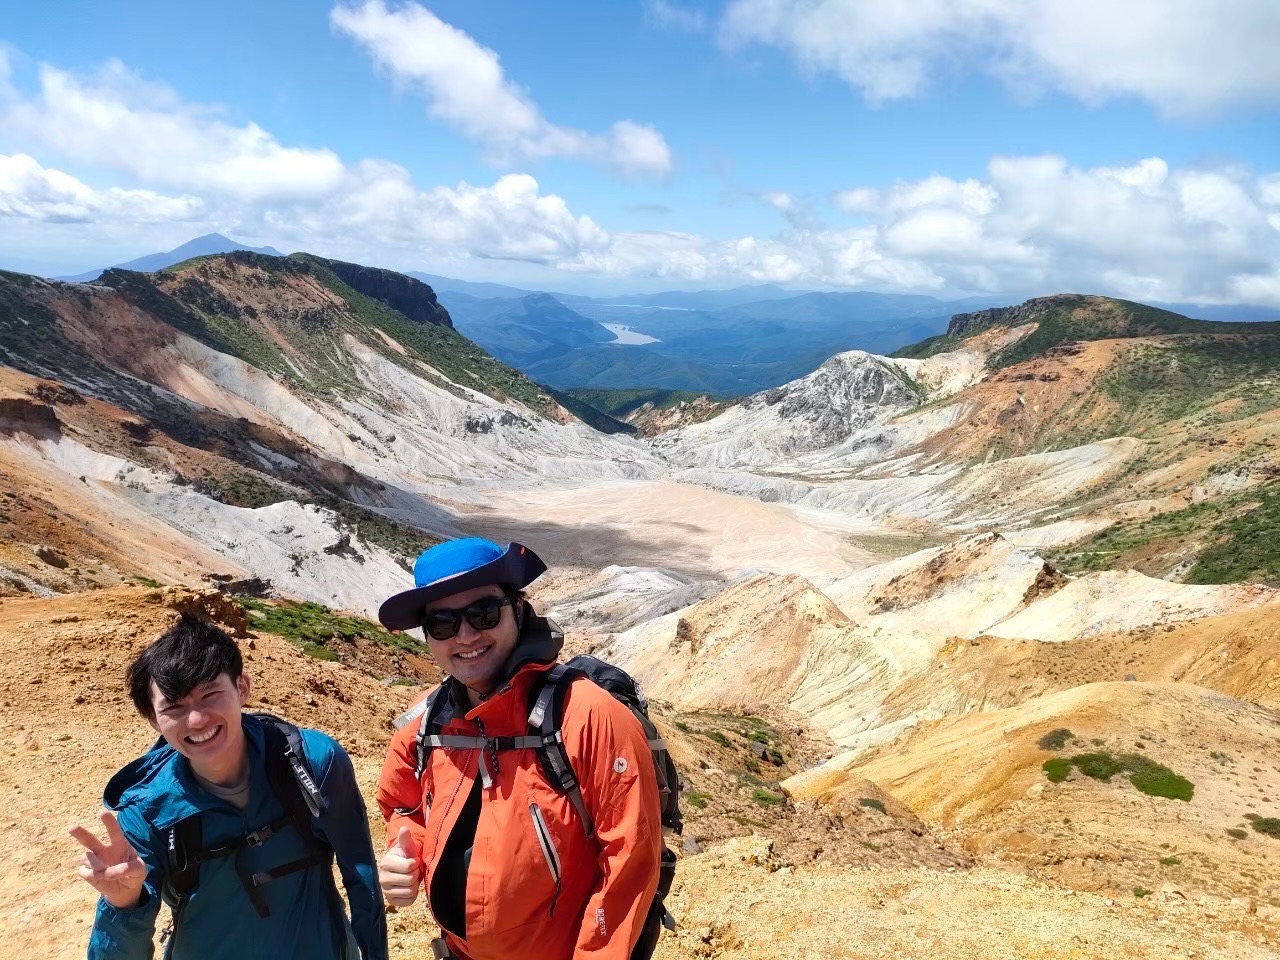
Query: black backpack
(544, 724)
(291, 781)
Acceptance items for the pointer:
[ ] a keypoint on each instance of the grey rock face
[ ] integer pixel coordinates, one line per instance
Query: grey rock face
(847, 393)
(1028, 312)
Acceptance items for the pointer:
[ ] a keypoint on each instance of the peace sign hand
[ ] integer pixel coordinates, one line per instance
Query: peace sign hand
(114, 869)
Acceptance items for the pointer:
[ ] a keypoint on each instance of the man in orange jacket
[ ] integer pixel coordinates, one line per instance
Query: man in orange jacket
(510, 866)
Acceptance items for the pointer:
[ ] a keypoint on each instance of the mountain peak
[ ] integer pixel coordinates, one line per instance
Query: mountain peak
(203, 246)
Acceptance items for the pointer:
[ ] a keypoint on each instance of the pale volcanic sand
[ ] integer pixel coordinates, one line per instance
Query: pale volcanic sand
(702, 533)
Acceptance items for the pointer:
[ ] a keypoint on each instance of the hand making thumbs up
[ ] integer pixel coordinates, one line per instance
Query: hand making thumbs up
(399, 873)
(114, 869)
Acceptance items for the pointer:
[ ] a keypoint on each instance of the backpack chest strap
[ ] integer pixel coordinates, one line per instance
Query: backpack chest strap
(490, 746)
(450, 741)
(231, 847)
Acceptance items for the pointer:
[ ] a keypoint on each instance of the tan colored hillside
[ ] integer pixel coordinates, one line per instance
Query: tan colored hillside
(980, 776)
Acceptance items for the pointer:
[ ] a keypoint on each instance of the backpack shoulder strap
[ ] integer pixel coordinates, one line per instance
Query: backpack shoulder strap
(289, 775)
(436, 710)
(545, 716)
(182, 863)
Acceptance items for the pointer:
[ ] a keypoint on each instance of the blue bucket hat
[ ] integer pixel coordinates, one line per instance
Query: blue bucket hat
(457, 565)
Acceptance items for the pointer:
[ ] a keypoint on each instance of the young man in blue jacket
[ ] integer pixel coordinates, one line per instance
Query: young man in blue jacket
(234, 820)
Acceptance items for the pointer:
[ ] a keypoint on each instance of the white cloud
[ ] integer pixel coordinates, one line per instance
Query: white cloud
(638, 150)
(675, 17)
(1184, 56)
(1039, 223)
(1029, 224)
(509, 220)
(29, 191)
(466, 88)
(117, 120)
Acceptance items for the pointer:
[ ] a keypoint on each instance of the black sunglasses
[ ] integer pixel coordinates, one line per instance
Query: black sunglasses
(482, 614)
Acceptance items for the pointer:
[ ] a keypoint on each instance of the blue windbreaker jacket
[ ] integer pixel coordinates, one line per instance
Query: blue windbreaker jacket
(307, 920)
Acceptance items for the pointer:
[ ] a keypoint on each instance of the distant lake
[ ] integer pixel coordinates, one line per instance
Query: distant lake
(626, 335)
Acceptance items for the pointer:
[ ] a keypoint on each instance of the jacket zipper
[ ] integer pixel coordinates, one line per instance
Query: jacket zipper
(548, 849)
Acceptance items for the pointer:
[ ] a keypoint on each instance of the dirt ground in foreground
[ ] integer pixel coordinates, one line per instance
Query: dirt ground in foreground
(67, 725)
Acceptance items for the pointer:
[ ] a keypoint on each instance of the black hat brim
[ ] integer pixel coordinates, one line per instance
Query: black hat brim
(518, 566)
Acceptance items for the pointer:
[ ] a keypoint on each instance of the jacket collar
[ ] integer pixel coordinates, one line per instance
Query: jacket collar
(163, 788)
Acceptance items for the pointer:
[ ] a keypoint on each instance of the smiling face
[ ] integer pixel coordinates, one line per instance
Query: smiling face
(204, 726)
(475, 658)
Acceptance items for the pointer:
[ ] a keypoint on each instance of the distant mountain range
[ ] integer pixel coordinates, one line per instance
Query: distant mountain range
(210, 243)
(725, 342)
(523, 331)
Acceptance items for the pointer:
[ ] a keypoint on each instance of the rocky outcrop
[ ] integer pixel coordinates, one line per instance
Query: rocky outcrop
(849, 391)
(651, 420)
(966, 324)
(413, 298)
(20, 414)
(846, 395)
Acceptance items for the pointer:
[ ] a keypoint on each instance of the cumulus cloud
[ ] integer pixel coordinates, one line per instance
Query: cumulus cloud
(118, 120)
(1031, 225)
(242, 177)
(29, 191)
(465, 87)
(1184, 56)
(509, 220)
(1039, 223)
(1028, 224)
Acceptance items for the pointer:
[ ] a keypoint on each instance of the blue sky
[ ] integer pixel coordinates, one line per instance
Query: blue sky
(1007, 160)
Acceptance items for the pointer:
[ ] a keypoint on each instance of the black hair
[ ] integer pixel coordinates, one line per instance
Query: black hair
(518, 598)
(191, 652)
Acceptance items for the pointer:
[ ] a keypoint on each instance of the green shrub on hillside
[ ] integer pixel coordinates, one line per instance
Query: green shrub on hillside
(1155, 384)
(767, 798)
(619, 403)
(1057, 769)
(1243, 530)
(1074, 318)
(1265, 825)
(1249, 545)
(1157, 780)
(1055, 739)
(1151, 778)
(312, 624)
(873, 803)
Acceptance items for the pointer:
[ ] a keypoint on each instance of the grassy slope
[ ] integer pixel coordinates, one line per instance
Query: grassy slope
(589, 414)
(1074, 317)
(1200, 372)
(30, 340)
(316, 332)
(1229, 540)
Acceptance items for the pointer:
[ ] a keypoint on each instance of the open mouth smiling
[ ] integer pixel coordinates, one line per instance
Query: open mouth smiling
(203, 738)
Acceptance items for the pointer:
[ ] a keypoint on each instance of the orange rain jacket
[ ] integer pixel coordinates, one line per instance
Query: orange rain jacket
(514, 906)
